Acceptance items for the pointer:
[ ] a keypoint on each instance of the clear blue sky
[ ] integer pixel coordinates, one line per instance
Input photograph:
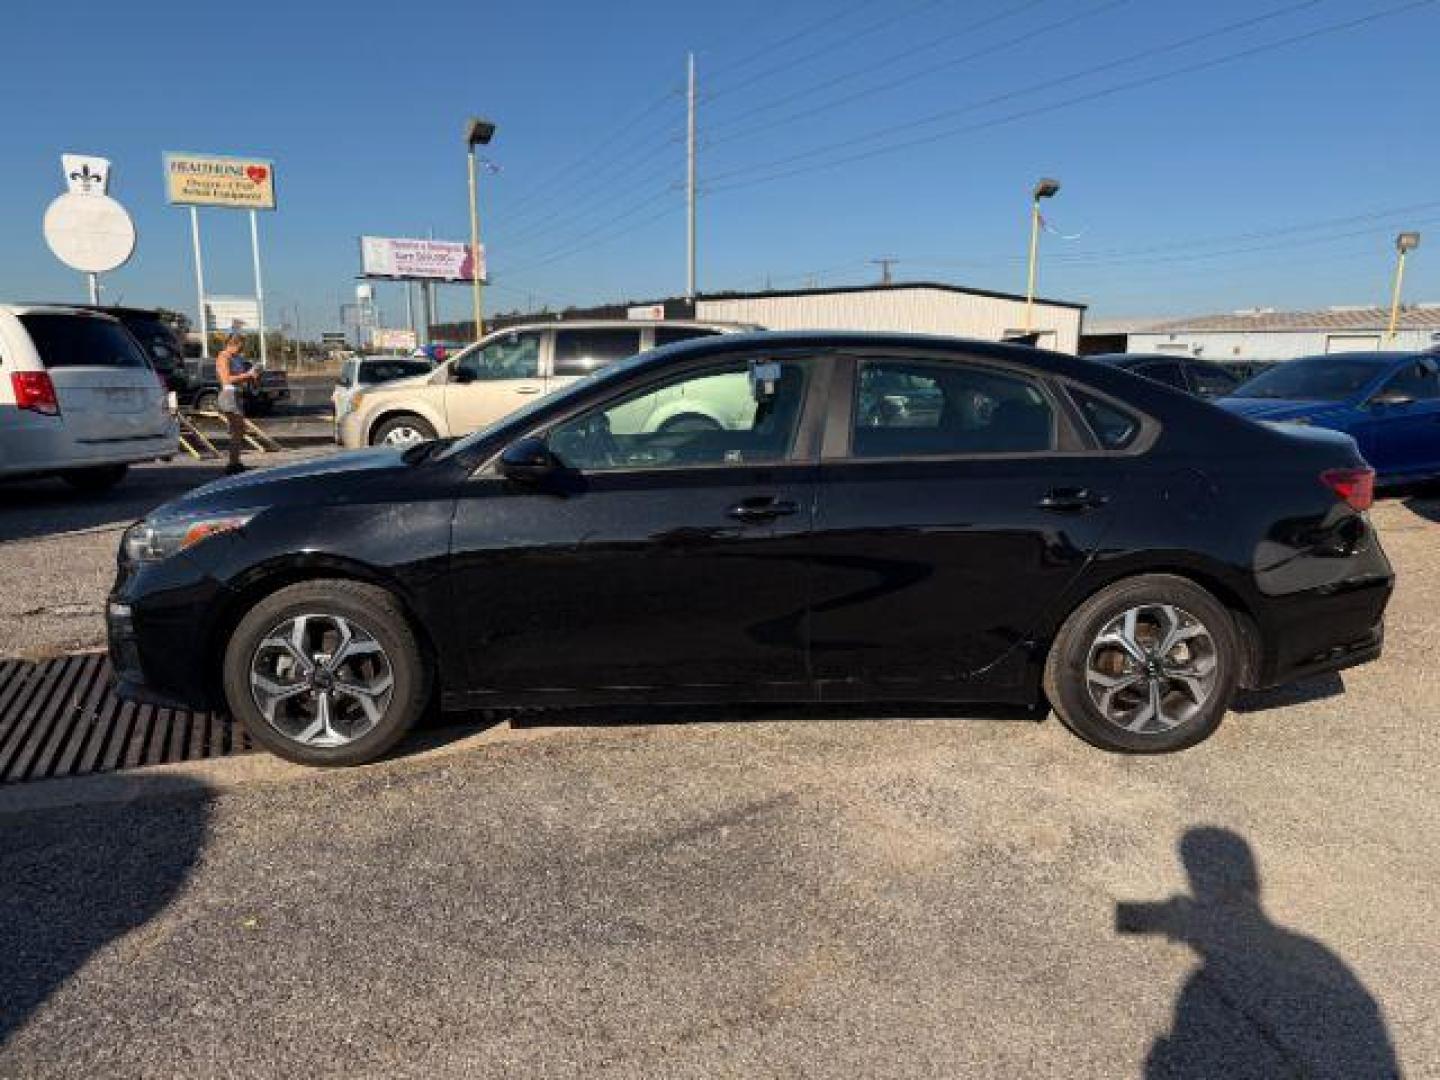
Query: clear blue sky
(1276, 179)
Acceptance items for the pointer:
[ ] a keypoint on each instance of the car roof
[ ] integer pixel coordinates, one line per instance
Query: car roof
(625, 324)
(1376, 358)
(1011, 352)
(23, 308)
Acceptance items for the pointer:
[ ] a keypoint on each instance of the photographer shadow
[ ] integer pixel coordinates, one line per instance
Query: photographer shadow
(1265, 1001)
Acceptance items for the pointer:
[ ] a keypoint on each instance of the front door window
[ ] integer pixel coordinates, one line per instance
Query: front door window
(736, 414)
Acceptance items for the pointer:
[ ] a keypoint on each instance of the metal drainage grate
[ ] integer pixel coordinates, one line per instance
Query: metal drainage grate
(61, 718)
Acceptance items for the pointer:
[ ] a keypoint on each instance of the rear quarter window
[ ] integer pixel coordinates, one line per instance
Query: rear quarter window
(65, 340)
(1114, 428)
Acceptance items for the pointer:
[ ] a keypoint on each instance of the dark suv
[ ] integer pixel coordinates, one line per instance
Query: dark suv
(161, 343)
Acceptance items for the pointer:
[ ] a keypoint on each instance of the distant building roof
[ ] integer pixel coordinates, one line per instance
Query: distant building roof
(1417, 317)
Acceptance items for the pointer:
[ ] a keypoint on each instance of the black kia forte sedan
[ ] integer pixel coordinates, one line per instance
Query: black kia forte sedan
(776, 517)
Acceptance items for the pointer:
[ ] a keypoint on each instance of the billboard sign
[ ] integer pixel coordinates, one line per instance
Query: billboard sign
(382, 337)
(208, 180)
(239, 314)
(418, 260)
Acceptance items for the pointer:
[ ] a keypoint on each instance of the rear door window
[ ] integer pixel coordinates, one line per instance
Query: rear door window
(1163, 371)
(918, 409)
(1212, 380)
(64, 340)
(579, 352)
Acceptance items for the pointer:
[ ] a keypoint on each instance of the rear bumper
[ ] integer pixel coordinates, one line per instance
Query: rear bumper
(48, 453)
(1323, 631)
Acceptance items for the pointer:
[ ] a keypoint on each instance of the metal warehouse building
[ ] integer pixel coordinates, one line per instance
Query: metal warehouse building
(918, 307)
(1267, 334)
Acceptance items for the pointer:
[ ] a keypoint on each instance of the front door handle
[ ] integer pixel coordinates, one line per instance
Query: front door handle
(1072, 500)
(527, 389)
(762, 508)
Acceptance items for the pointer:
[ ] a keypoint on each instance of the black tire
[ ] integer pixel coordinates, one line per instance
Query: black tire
(98, 478)
(386, 431)
(1068, 684)
(690, 424)
(365, 607)
(205, 401)
(259, 406)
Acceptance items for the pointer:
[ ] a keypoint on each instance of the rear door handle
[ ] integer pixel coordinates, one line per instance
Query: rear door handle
(762, 508)
(527, 389)
(1072, 500)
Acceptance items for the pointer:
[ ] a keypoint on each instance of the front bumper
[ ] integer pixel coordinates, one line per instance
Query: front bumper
(159, 657)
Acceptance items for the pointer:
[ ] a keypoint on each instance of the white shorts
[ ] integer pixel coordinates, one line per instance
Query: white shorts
(228, 401)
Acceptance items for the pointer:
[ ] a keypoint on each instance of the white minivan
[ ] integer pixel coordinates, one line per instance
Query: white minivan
(78, 397)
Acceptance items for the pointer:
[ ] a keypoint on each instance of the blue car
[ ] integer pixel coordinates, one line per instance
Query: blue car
(1388, 402)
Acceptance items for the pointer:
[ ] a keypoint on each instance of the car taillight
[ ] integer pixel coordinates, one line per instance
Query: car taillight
(1356, 486)
(34, 391)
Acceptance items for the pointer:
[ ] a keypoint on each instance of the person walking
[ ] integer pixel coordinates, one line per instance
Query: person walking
(233, 371)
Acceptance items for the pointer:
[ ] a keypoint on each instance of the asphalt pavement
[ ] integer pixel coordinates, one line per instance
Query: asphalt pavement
(749, 892)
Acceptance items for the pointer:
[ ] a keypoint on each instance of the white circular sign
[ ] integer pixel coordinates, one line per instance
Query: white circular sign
(92, 233)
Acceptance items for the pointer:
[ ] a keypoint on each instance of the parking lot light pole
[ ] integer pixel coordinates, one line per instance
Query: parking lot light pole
(1405, 243)
(477, 133)
(1045, 189)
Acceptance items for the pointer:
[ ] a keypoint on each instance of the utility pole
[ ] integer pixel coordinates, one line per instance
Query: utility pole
(886, 278)
(690, 183)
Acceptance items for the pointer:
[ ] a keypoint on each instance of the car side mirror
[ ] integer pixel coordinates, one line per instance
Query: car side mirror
(1391, 398)
(528, 460)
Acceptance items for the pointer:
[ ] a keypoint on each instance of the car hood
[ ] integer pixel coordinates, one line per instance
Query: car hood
(290, 483)
(1276, 409)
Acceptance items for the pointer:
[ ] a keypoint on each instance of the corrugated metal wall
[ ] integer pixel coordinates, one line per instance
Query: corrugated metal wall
(1273, 344)
(919, 310)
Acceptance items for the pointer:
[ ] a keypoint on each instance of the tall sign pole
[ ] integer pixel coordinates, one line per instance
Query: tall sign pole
(199, 283)
(475, 287)
(259, 286)
(690, 182)
(230, 183)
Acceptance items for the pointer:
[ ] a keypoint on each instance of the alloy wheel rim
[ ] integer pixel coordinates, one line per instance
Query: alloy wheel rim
(403, 436)
(1152, 668)
(321, 680)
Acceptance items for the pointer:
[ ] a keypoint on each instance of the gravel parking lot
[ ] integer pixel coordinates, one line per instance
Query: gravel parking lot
(868, 895)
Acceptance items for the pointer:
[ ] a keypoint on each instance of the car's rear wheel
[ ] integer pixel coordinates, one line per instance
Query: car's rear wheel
(690, 424)
(406, 430)
(326, 673)
(206, 401)
(1145, 666)
(98, 478)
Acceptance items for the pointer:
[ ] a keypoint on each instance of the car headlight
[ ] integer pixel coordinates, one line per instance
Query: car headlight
(154, 540)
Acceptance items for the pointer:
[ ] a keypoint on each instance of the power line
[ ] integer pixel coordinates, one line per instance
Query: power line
(888, 63)
(1132, 84)
(804, 32)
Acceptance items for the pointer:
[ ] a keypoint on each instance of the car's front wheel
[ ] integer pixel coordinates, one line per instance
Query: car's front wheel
(406, 430)
(1146, 666)
(326, 673)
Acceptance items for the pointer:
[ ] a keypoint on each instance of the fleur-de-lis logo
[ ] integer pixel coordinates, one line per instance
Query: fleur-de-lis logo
(85, 176)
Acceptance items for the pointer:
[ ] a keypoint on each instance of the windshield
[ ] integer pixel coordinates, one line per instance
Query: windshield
(518, 419)
(1315, 378)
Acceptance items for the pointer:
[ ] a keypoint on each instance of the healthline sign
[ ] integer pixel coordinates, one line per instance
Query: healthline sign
(209, 180)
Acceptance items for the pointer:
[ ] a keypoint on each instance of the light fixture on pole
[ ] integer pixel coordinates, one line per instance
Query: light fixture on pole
(1045, 189)
(1405, 243)
(477, 133)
